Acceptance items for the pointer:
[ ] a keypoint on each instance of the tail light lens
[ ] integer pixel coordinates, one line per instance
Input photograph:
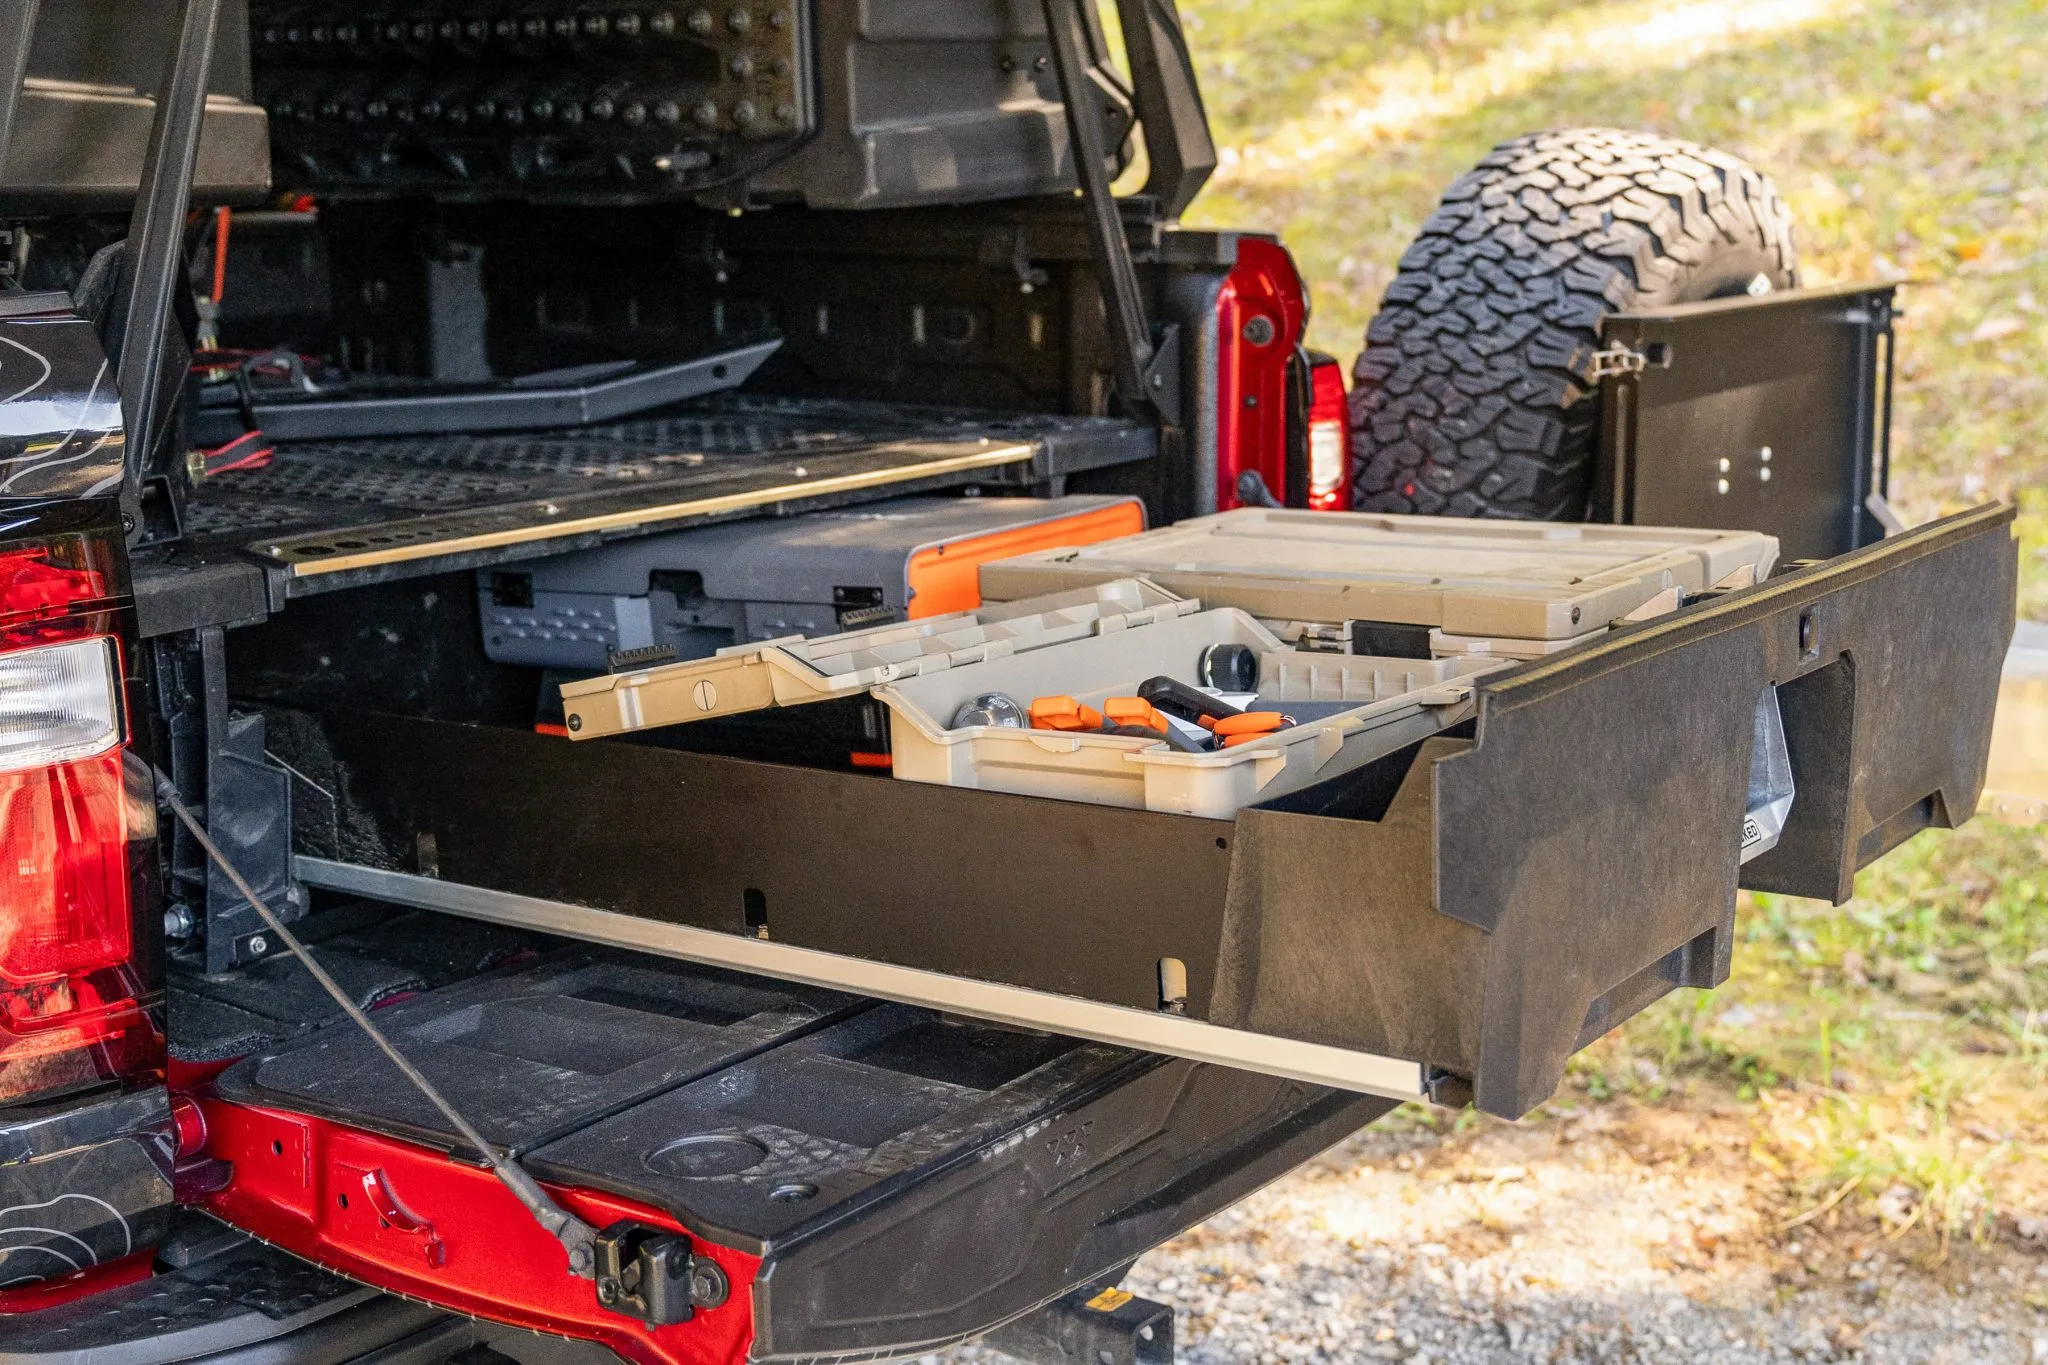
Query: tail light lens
(1329, 436)
(65, 912)
(72, 1012)
(58, 703)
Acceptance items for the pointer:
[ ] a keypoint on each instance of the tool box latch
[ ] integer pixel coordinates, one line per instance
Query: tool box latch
(649, 1274)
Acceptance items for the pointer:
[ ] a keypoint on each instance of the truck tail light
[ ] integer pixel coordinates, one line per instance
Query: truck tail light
(72, 1015)
(1329, 436)
(58, 702)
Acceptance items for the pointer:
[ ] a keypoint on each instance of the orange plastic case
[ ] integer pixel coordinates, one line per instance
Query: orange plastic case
(946, 576)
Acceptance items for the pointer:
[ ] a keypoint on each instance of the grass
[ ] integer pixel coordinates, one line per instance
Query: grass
(1890, 1054)
(1894, 1050)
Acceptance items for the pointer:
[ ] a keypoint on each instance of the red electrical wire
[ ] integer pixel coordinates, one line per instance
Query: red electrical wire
(223, 218)
(232, 456)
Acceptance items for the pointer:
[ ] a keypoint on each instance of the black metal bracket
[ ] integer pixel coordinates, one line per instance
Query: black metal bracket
(147, 373)
(222, 759)
(1179, 152)
(1091, 1327)
(1147, 369)
(651, 1275)
(1766, 414)
(17, 32)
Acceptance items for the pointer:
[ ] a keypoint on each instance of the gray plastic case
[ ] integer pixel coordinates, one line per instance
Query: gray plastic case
(760, 579)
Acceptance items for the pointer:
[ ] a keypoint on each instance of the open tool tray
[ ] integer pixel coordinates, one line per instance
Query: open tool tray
(1090, 643)
(1471, 908)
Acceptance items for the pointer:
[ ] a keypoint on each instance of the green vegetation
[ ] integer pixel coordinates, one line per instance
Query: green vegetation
(1891, 1053)
(1907, 136)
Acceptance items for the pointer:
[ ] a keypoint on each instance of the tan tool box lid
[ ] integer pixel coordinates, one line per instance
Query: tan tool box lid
(792, 670)
(1507, 579)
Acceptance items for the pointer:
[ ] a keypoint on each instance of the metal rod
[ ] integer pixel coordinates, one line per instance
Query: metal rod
(575, 1235)
(155, 262)
(17, 32)
(1120, 1025)
(1123, 304)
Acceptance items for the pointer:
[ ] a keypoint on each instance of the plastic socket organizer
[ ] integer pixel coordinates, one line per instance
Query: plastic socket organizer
(1395, 702)
(1513, 589)
(793, 670)
(1092, 644)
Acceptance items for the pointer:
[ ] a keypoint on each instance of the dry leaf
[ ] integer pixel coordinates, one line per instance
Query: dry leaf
(1996, 329)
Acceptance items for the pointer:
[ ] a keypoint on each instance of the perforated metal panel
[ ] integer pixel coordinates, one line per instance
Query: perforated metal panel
(413, 496)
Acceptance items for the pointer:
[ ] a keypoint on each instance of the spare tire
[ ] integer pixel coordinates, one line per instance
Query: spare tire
(1474, 395)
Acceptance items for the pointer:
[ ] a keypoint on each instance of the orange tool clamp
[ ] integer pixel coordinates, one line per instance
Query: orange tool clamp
(1246, 726)
(1063, 713)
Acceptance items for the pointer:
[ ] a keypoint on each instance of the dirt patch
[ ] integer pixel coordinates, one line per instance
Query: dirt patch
(1616, 1232)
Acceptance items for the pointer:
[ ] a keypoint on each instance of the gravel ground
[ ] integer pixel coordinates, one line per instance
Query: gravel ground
(1613, 1234)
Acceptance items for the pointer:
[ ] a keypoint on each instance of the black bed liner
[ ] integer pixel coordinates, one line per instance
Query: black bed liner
(909, 1179)
(324, 515)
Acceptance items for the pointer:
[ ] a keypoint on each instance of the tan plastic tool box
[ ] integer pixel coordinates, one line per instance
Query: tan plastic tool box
(1518, 589)
(1095, 622)
(1089, 643)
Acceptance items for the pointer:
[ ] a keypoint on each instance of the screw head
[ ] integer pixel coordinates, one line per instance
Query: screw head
(259, 945)
(709, 1287)
(1260, 331)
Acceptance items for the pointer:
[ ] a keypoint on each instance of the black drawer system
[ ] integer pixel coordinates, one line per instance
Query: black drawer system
(1465, 912)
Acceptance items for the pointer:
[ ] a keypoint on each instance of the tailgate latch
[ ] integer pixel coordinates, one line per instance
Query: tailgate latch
(651, 1275)
(1615, 361)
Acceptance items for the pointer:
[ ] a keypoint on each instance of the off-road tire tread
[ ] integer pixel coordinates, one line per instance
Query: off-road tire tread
(1473, 396)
